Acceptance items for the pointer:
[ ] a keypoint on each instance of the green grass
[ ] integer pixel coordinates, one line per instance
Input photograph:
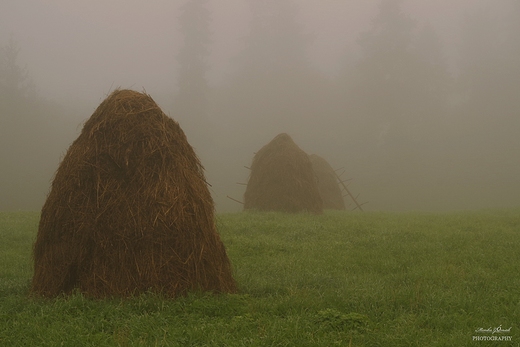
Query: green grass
(345, 279)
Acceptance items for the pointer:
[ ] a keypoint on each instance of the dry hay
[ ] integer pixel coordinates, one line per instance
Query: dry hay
(129, 210)
(282, 179)
(328, 186)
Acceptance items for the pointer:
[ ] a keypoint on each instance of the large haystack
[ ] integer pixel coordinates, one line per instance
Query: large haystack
(129, 210)
(282, 179)
(328, 186)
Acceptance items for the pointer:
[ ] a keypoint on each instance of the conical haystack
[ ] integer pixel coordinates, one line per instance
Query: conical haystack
(129, 210)
(327, 184)
(282, 179)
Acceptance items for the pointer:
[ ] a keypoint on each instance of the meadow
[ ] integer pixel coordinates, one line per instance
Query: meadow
(337, 279)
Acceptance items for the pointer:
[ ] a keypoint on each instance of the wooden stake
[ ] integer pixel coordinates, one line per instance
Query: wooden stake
(235, 200)
(348, 192)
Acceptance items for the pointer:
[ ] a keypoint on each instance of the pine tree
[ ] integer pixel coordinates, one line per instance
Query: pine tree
(15, 84)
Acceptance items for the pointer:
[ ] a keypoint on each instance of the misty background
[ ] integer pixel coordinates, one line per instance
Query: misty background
(418, 101)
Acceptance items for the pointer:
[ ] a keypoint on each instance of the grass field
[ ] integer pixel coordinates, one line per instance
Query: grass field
(339, 279)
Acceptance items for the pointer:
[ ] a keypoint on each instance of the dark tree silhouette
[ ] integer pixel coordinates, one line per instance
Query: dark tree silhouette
(15, 84)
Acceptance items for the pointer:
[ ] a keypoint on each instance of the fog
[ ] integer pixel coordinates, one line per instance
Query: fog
(417, 101)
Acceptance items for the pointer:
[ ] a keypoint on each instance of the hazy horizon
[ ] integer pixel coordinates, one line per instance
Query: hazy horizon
(436, 133)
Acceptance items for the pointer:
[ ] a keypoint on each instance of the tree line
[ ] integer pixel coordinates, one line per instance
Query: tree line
(410, 125)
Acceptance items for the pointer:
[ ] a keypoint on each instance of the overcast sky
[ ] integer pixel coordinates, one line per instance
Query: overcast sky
(83, 49)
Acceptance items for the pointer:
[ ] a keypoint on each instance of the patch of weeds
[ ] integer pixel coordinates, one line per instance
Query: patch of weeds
(333, 319)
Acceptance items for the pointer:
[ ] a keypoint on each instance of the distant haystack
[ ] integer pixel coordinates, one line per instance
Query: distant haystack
(282, 179)
(328, 186)
(129, 210)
